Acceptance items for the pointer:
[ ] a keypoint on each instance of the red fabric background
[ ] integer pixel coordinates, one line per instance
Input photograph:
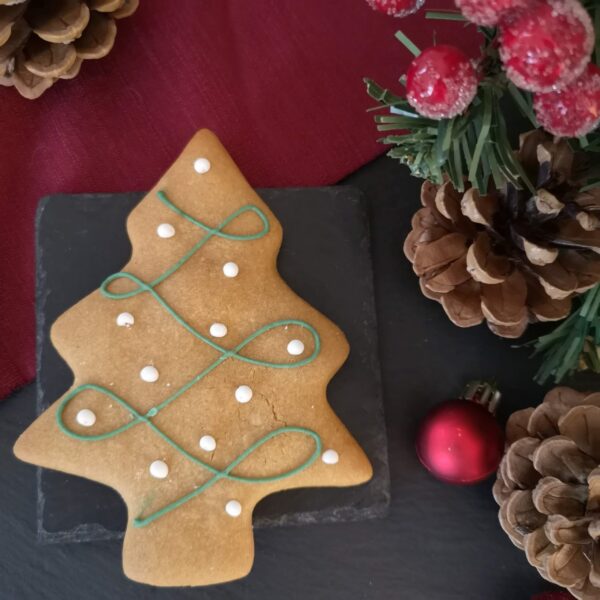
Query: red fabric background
(278, 80)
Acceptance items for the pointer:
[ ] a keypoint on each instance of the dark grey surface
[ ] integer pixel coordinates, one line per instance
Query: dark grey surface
(438, 543)
(82, 239)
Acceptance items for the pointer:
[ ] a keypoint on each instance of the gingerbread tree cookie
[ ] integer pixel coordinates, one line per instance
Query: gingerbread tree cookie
(199, 379)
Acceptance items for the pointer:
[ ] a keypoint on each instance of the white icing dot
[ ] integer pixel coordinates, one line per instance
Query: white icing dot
(125, 319)
(86, 417)
(149, 374)
(218, 330)
(208, 443)
(201, 165)
(330, 457)
(295, 347)
(159, 469)
(230, 269)
(165, 230)
(243, 394)
(233, 508)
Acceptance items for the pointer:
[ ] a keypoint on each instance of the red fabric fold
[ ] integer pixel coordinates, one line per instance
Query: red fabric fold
(278, 80)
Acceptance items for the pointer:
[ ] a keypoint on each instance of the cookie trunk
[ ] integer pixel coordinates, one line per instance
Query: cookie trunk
(165, 555)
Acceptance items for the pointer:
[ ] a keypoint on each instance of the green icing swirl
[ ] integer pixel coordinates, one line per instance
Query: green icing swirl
(224, 354)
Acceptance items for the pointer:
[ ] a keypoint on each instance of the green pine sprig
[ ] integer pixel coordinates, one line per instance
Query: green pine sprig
(473, 149)
(470, 148)
(573, 345)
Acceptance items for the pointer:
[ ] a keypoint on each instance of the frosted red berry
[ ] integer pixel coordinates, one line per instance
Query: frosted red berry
(441, 82)
(396, 8)
(547, 45)
(488, 12)
(573, 111)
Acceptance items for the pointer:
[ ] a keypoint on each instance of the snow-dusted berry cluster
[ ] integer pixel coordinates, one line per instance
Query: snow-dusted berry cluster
(545, 47)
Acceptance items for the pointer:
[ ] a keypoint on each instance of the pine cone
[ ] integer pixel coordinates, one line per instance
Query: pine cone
(510, 257)
(548, 488)
(42, 41)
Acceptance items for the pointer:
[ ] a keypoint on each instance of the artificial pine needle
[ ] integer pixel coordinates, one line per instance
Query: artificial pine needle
(408, 43)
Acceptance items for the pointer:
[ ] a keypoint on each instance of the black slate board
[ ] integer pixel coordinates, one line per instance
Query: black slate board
(325, 258)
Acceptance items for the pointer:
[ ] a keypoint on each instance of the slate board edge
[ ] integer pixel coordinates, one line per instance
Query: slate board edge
(383, 455)
(96, 532)
(43, 536)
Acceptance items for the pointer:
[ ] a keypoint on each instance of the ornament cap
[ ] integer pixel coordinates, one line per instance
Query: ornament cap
(485, 393)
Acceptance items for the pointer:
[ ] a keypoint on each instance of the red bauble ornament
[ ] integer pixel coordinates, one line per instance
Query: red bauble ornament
(460, 441)
(441, 82)
(547, 45)
(488, 12)
(573, 111)
(396, 8)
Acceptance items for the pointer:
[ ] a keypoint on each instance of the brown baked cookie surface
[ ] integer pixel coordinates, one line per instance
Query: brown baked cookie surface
(199, 379)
